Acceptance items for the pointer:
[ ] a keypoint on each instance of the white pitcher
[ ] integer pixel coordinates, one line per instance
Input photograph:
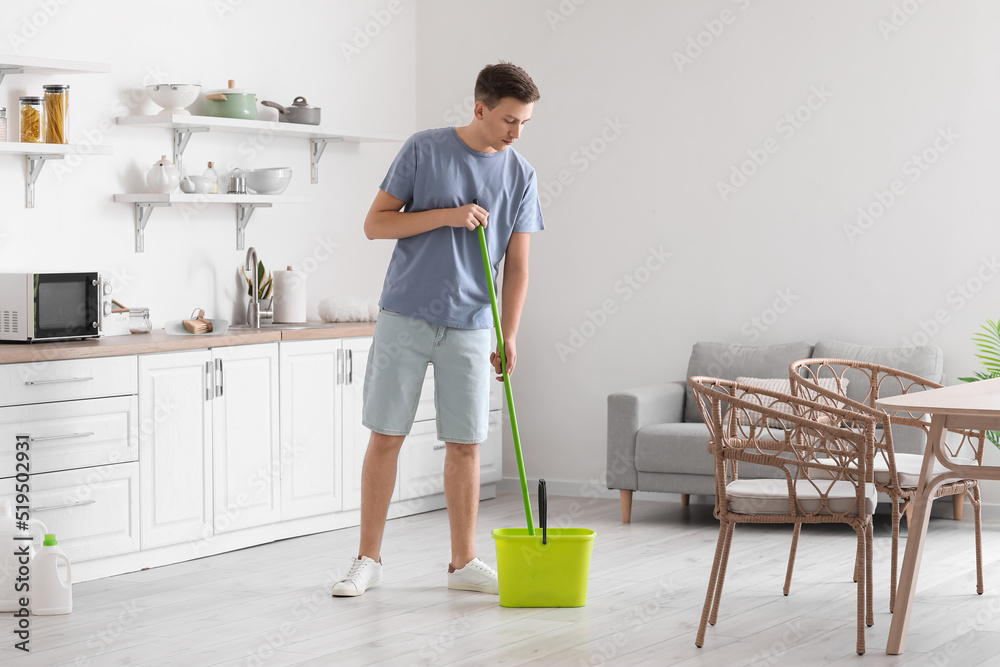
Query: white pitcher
(9, 559)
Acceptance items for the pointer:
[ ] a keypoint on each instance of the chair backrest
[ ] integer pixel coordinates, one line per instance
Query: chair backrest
(810, 443)
(865, 383)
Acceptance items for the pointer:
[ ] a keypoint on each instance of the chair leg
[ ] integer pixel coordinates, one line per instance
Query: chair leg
(894, 556)
(626, 505)
(869, 578)
(791, 559)
(860, 558)
(977, 510)
(909, 516)
(685, 499)
(958, 503)
(712, 584)
(722, 576)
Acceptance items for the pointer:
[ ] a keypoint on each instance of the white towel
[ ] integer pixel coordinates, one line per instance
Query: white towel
(348, 309)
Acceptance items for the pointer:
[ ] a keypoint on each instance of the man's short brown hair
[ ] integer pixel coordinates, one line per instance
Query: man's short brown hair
(496, 82)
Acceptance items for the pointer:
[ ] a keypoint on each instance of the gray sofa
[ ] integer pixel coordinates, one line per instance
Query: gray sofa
(657, 438)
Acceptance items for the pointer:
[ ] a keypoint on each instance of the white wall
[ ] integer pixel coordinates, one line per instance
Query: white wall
(279, 50)
(783, 231)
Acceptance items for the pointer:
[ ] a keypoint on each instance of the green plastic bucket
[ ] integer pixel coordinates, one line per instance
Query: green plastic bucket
(533, 574)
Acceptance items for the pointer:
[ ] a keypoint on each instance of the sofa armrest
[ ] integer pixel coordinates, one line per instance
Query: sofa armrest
(631, 410)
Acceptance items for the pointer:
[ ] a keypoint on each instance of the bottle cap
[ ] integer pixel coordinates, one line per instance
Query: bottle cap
(50, 540)
(211, 165)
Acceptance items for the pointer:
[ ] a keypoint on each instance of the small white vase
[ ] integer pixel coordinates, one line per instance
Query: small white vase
(163, 176)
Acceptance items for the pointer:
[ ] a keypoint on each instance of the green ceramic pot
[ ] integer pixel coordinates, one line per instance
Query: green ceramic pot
(232, 102)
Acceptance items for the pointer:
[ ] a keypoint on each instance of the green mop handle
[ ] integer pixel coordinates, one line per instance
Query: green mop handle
(487, 265)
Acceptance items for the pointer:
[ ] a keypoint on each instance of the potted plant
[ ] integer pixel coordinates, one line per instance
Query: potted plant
(988, 342)
(265, 282)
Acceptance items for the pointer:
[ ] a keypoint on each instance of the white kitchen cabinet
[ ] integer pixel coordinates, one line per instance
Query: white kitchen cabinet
(245, 434)
(311, 394)
(93, 512)
(176, 390)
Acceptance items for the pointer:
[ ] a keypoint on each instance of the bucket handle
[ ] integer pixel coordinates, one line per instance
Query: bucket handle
(543, 507)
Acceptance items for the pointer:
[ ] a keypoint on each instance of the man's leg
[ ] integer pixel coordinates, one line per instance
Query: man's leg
(461, 492)
(378, 478)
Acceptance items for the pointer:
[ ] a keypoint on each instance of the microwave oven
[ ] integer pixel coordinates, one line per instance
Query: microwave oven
(37, 307)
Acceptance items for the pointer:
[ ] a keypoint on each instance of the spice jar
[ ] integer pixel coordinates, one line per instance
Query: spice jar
(138, 320)
(56, 113)
(3, 123)
(32, 120)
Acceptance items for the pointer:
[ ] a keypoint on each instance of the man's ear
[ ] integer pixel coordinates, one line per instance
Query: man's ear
(479, 109)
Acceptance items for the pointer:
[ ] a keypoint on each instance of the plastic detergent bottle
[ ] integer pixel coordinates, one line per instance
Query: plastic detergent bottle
(12, 546)
(50, 593)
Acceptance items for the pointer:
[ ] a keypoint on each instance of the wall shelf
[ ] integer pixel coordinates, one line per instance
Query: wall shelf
(27, 65)
(36, 155)
(183, 126)
(144, 203)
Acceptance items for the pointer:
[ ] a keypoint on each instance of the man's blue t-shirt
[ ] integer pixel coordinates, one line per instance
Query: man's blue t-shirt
(438, 276)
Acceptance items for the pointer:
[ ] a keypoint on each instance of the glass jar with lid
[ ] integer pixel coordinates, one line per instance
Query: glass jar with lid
(56, 113)
(32, 113)
(138, 320)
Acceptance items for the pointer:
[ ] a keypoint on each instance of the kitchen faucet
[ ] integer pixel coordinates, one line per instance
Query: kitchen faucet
(253, 308)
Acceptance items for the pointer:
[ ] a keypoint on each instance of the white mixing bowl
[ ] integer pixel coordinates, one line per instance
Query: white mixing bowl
(269, 181)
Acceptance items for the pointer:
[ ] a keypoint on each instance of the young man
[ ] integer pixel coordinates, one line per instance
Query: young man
(436, 308)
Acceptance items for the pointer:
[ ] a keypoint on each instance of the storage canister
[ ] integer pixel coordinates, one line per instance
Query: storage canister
(56, 113)
(32, 119)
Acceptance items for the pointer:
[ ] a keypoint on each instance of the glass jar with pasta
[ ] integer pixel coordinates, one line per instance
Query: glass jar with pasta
(32, 113)
(56, 113)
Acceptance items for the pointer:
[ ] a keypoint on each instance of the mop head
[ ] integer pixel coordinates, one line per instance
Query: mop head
(348, 309)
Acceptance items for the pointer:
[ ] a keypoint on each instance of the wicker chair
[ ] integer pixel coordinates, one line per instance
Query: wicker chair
(774, 429)
(895, 473)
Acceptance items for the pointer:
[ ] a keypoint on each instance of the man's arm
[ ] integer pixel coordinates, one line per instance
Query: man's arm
(514, 293)
(386, 221)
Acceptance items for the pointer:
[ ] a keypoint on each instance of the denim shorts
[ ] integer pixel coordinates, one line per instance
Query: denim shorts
(397, 365)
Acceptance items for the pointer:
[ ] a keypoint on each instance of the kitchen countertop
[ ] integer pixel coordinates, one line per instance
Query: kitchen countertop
(159, 341)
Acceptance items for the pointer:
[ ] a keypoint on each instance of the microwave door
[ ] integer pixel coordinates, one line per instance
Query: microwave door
(66, 305)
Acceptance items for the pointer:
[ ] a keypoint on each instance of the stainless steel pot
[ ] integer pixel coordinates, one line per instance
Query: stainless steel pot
(299, 111)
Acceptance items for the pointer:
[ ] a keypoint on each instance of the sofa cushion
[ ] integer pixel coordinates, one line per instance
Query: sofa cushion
(683, 448)
(729, 361)
(781, 386)
(770, 496)
(927, 361)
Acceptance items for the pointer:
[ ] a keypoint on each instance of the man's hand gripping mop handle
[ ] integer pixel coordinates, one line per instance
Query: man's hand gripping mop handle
(487, 266)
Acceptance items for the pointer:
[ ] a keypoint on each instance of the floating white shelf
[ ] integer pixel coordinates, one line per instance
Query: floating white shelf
(145, 202)
(27, 65)
(183, 126)
(36, 155)
(18, 148)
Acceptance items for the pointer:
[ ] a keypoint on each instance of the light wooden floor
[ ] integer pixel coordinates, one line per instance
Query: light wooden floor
(270, 605)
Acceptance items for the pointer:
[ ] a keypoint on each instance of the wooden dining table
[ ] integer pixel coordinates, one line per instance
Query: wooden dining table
(975, 405)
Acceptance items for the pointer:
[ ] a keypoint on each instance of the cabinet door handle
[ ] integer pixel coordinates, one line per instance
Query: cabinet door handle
(58, 381)
(64, 437)
(209, 384)
(59, 507)
(220, 377)
(441, 446)
(350, 366)
(340, 367)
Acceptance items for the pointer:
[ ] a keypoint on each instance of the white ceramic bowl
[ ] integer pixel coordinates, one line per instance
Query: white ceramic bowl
(174, 97)
(269, 181)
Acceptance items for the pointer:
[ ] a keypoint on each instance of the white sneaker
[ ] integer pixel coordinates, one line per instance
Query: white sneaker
(475, 576)
(364, 573)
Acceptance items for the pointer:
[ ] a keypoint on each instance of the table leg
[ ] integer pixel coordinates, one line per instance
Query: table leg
(915, 533)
